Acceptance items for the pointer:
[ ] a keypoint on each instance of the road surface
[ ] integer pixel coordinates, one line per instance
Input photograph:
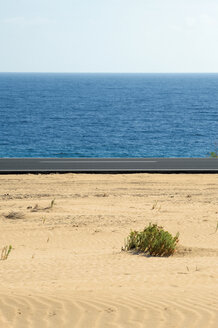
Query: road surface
(108, 165)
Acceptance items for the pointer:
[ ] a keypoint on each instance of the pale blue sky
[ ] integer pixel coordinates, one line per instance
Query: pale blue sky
(108, 36)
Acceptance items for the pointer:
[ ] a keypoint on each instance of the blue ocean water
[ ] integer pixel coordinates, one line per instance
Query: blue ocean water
(108, 115)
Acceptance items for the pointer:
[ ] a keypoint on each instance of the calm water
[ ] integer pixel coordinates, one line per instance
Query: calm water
(108, 115)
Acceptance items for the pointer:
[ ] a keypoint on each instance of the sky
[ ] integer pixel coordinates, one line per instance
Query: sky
(142, 36)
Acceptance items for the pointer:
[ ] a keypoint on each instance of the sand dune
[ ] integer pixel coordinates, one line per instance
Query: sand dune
(66, 268)
(124, 309)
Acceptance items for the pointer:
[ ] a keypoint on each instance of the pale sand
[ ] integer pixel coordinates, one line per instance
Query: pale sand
(67, 269)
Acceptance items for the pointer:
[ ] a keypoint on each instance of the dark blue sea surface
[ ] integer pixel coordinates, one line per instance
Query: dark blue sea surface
(108, 115)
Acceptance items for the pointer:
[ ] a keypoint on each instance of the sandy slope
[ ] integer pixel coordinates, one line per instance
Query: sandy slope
(67, 269)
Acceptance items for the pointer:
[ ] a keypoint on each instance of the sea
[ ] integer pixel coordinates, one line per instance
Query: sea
(108, 115)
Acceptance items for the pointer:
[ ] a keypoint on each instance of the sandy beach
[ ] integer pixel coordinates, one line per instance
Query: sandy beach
(66, 268)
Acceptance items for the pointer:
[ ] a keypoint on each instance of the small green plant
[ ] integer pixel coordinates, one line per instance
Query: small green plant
(213, 154)
(5, 252)
(153, 240)
(52, 203)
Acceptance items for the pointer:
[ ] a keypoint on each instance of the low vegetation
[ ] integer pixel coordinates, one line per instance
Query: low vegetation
(213, 154)
(15, 216)
(36, 208)
(153, 241)
(5, 252)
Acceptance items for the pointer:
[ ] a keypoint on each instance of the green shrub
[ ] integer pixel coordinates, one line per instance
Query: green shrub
(153, 240)
(214, 154)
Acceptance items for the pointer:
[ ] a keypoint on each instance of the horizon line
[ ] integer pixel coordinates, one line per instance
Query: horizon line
(44, 72)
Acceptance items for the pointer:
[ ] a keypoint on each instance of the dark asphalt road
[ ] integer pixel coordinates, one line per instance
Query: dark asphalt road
(108, 165)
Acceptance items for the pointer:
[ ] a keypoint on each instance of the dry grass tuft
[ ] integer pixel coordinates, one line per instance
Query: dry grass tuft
(5, 252)
(15, 216)
(37, 208)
